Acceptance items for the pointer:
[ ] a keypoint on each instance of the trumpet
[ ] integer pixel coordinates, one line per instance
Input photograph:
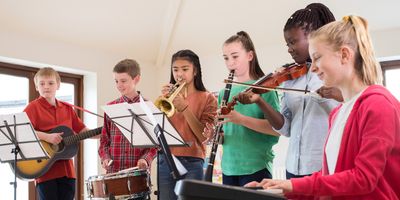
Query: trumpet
(165, 103)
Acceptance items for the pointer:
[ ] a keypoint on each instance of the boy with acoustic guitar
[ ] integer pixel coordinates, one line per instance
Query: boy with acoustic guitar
(46, 113)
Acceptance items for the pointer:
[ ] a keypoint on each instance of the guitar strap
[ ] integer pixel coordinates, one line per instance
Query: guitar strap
(88, 111)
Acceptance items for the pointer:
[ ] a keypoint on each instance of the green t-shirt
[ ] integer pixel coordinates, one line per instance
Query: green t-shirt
(246, 151)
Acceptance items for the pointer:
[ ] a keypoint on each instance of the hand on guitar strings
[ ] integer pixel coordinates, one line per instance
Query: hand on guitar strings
(53, 138)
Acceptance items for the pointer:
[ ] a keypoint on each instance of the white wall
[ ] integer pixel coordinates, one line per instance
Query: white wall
(387, 43)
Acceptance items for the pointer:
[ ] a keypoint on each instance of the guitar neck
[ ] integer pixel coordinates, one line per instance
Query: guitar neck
(78, 137)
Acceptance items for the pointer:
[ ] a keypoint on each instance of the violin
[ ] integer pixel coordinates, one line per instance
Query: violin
(273, 80)
(270, 82)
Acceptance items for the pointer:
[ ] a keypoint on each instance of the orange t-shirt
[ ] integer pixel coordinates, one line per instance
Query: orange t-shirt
(44, 117)
(204, 106)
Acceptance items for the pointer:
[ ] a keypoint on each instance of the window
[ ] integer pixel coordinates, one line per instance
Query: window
(391, 72)
(17, 83)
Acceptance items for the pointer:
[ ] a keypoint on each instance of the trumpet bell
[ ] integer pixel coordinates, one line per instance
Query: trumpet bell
(165, 103)
(165, 106)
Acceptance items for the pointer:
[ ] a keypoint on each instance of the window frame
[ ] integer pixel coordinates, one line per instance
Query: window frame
(389, 65)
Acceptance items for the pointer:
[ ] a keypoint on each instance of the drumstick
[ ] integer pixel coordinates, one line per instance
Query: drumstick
(128, 169)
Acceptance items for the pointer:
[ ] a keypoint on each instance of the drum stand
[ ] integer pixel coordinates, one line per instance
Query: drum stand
(111, 197)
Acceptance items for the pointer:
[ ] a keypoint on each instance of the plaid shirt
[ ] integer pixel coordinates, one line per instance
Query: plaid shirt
(114, 145)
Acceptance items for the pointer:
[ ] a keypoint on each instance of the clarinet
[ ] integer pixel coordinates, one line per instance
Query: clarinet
(217, 129)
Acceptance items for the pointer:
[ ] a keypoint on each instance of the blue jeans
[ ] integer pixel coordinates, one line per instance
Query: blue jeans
(57, 189)
(241, 180)
(166, 184)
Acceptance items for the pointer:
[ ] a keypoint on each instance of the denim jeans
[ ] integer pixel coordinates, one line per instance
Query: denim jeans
(241, 180)
(290, 175)
(57, 189)
(166, 184)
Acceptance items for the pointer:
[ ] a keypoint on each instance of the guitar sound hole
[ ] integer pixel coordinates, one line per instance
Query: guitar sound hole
(57, 147)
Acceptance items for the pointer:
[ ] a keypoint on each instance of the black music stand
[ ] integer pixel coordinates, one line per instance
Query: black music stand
(137, 126)
(25, 146)
(143, 118)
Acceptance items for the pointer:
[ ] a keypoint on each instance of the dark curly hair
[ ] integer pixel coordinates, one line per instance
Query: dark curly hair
(310, 18)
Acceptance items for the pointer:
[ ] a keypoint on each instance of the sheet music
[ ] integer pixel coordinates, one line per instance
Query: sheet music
(181, 169)
(30, 150)
(133, 132)
(28, 142)
(147, 111)
(179, 166)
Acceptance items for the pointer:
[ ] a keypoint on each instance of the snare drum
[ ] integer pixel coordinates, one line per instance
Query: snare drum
(120, 185)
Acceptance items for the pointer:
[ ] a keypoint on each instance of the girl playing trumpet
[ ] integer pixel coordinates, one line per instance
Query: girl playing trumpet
(193, 110)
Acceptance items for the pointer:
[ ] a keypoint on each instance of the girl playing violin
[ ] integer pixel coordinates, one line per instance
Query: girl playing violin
(247, 148)
(302, 118)
(362, 152)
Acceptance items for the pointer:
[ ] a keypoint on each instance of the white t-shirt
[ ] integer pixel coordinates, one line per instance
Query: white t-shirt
(335, 137)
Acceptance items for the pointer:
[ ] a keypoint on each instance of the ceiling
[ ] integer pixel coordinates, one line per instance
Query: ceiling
(152, 30)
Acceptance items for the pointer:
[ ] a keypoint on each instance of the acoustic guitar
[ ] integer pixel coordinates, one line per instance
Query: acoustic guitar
(65, 150)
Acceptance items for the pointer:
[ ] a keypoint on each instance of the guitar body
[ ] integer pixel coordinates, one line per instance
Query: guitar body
(31, 169)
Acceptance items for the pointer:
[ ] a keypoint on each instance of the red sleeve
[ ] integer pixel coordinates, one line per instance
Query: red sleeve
(376, 143)
(30, 111)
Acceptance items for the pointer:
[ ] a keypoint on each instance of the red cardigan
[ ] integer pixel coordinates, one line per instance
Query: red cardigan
(368, 164)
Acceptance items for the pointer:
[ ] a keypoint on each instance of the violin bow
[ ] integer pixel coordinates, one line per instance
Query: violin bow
(305, 91)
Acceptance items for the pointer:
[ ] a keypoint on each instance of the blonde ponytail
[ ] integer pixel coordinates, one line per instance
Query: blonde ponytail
(353, 31)
(372, 74)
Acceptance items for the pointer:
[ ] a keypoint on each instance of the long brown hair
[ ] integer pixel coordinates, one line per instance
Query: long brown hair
(193, 58)
(244, 38)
